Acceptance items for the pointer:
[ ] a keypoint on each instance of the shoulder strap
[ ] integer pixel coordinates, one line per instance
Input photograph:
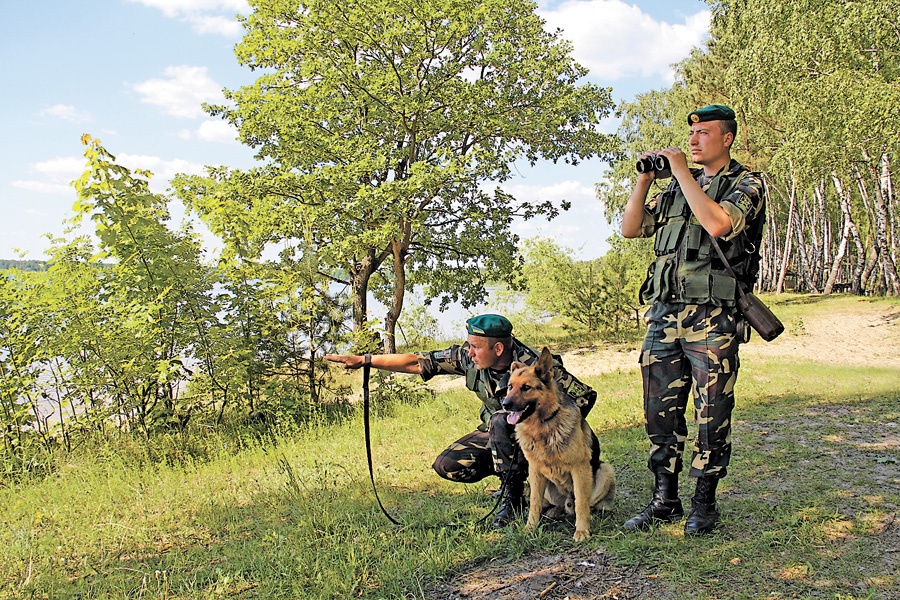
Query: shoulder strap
(715, 244)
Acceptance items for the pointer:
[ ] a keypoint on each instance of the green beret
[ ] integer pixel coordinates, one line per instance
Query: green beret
(493, 326)
(713, 112)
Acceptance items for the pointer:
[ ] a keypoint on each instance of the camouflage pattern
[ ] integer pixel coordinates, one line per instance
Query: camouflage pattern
(688, 343)
(479, 454)
(492, 448)
(691, 346)
(490, 386)
(687, 269)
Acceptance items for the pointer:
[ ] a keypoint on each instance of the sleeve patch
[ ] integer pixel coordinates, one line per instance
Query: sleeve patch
(744, 203)
(576, 388)
(442, 354)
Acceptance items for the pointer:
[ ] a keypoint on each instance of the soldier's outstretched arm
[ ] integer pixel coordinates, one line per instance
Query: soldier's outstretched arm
(396, 363)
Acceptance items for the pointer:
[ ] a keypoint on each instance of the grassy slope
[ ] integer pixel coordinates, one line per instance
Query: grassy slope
(808, 508)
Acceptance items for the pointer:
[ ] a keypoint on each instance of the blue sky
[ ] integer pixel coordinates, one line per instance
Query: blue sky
(133, 73)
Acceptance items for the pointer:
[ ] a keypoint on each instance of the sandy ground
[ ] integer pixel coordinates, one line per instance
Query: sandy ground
(845, 338)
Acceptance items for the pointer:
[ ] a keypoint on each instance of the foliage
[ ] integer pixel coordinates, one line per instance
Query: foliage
(21, 353)
(418, 329)
(814, 85)
(380, 122)
(294, 515)
(23, 265)
(597, 295)
(155, 337)
(650, 122)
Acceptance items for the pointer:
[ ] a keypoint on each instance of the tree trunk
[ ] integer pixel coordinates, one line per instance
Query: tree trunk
(360, 275)
(786, 258)
(845, 234)
(400, 254)
(804, 263)
(393, 313)
(883, 230)
(881, 226)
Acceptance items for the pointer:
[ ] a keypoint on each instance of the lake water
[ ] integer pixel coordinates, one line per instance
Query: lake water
(452, 321)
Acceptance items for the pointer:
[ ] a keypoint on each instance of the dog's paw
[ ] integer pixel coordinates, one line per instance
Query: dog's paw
(581, 535)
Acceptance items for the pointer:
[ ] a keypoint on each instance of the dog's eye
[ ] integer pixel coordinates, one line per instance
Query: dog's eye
(525, 387)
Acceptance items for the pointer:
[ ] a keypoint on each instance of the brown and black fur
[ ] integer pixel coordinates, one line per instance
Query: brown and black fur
(563, 454)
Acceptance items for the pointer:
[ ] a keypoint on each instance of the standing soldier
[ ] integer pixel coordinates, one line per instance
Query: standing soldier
(484, 360)
(691, 340)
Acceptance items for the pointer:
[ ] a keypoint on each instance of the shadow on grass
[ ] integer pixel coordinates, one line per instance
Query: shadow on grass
(810, 505)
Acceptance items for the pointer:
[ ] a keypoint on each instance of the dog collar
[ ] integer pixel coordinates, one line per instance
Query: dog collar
(550, 418)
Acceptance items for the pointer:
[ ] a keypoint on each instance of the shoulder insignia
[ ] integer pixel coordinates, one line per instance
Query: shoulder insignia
(576, 388)
(442, 354)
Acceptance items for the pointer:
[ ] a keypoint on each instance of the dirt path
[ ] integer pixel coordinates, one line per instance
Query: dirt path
(841, 337)
(855, 337)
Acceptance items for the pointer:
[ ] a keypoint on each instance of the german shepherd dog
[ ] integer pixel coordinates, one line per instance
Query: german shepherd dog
(563, 454)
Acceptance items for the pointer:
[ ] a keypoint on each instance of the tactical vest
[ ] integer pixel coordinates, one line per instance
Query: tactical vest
(687, 268)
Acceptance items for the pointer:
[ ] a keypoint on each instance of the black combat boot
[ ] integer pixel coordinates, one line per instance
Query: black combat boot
(703, 515)
(513, 504)
(665, 505)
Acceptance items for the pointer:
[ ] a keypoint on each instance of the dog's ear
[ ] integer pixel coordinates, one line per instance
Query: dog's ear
(544, 367)
(516, 366)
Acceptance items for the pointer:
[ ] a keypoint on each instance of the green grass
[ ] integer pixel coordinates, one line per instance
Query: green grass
(808, 509)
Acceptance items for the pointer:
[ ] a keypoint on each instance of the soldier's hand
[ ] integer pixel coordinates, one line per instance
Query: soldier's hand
(350, 361)
(677, 160)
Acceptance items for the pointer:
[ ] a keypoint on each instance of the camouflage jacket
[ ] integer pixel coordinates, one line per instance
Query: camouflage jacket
(687, 268)
(490, 386)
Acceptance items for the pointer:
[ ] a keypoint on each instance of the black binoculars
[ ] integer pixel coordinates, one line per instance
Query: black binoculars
(655, 162)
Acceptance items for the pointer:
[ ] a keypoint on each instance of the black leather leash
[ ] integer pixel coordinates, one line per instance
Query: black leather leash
(367, 365)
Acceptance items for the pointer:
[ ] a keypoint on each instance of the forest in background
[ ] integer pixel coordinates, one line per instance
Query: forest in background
(815, 88)
(377, 128)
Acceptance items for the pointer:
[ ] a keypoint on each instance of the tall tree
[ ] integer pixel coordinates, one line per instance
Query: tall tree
(829, 71)
(380, 123)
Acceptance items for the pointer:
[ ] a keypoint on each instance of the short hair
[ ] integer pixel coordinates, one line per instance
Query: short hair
(506, 341)
(729, 126)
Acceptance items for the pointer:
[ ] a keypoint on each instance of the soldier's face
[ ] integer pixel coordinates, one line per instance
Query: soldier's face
(482, 353)
(707, 142)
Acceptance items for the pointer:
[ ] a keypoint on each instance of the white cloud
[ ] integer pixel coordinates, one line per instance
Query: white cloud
(215, 24)
(182, 93)
(161, 169)
(175, 8)
(43, 187)
(220, 132)
(66, 113)
(58, 169)
(59, 172)
(616, 40)
(205, 16)
(583, 228)
(55, 174)
(573, 191)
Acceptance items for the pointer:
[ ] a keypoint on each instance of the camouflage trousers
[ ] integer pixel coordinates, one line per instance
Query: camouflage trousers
(481, 453)
(689, 348)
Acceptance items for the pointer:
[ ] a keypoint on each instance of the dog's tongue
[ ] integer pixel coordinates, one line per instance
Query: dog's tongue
(513, 417)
